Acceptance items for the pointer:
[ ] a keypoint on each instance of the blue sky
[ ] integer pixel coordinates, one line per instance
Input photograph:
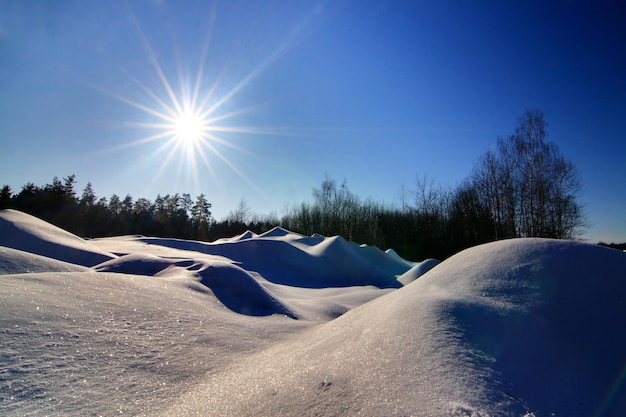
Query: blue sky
(373, 92)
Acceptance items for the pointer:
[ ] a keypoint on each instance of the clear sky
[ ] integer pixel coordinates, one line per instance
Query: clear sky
(373, 92)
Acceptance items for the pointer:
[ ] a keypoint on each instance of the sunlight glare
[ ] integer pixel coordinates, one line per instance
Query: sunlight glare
(191, 121)
(188, 128)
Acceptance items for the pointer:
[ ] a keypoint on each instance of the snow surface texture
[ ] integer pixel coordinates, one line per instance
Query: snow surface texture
(283, 324)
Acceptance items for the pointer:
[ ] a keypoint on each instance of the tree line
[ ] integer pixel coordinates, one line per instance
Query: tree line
(523, 188)
(87, 215)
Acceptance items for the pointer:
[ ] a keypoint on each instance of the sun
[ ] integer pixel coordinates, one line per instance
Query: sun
(188, 128)
(187, 119)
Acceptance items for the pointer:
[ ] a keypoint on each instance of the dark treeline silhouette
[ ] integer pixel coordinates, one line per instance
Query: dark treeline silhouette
(618, 246)
(523, 189)
(174, 215)
(428, 224)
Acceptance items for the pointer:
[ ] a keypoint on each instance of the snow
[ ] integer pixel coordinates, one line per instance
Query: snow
(285, 324)
(23, 232)
(291, 259)
(13, 261)
(417, 271)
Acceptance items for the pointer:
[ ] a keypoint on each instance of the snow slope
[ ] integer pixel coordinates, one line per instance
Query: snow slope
(285, 324)
(512, 328)
(13, 261)
(291, 259)
(148, 320)
(27, 233)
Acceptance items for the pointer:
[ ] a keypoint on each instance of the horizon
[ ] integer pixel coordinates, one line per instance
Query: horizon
(375, 93)
(252, 218)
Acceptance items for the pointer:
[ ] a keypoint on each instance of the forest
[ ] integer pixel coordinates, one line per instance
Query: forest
(523, 188)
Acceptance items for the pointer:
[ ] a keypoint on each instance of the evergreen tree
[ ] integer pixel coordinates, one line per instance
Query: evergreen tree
(5, 197)
(88, 198)
(201, 218)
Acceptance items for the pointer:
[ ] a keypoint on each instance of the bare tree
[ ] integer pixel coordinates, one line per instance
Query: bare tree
(430, 198)
(403, 199)
(487, 184)
(566, 217)
(530, 189)
(241, 215)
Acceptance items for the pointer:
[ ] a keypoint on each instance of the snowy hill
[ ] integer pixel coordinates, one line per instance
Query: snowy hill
(284, 324)
(27, 233)
(504, 329)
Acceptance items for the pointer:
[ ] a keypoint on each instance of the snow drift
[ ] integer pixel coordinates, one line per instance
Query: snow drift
(512, 328)
(292, 259)
(27, 233)
(285, 324)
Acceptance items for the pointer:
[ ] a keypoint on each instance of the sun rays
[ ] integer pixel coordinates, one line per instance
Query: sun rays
(184, 120)
(188, 116)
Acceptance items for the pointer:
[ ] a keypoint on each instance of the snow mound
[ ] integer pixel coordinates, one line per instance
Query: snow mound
(136, 263)
(245, 235)
(264, 275)
(278, 232)
(27, 233)
(417, 271)
(14, 261)
(306, 242)
(238, 290)
(356, 261)
(287, 258)
(511, 328)
(397, 257)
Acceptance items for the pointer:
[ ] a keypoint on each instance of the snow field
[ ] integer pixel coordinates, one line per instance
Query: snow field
(285, 324)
